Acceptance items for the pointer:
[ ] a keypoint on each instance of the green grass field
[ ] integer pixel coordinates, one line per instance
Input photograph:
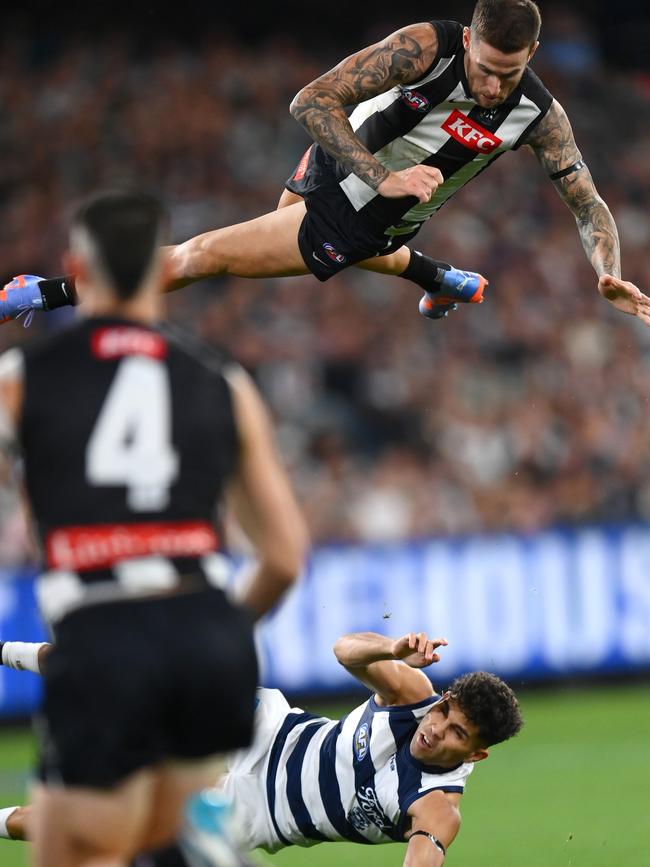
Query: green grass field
(572, 789)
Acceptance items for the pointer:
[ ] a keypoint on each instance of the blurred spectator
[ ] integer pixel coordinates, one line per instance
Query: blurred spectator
(528, 411)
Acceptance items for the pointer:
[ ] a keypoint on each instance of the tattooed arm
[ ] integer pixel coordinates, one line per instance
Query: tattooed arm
(554, 146)
(401, 58)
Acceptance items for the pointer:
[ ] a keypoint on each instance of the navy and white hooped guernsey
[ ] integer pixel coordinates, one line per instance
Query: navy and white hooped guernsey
(317, 779)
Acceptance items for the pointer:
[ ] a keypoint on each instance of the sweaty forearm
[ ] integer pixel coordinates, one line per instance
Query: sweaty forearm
(13, 823)
(363, 648)
(263, 587)
(599, 237)
(328, 125)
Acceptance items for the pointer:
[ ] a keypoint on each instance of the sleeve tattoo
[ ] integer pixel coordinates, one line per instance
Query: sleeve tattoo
(401, 58)
(554, 146)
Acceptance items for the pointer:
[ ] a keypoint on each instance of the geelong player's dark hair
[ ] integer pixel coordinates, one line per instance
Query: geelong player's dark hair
(125, 228)
(507, 25)
(489, 704)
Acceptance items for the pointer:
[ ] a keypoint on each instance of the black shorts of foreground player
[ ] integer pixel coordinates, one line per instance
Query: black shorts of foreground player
(435, 104)
(124, 480)
(393, 770)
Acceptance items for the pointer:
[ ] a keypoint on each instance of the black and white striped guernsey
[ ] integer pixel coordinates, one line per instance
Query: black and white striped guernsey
(352, 779)
(129, 439)
(436, 122)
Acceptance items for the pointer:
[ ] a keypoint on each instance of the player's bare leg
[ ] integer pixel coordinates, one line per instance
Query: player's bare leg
(264, 247)
(175, 784)
(82, 827)
(288, 198)
(72, 826)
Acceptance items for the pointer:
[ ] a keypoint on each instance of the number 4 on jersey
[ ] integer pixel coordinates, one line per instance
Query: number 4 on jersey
(131, 442)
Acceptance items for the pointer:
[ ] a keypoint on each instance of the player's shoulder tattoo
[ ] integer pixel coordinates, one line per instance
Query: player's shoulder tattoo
(401, 58)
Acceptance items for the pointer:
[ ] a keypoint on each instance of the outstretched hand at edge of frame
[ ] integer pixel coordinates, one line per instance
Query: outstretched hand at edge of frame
(625, 296)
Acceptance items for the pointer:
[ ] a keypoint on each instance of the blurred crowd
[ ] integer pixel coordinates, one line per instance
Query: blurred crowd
(529, 411)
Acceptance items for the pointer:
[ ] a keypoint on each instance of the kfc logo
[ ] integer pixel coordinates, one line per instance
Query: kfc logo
(470, 134)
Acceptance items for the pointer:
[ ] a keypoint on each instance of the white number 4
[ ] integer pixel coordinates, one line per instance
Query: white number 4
(131, 441)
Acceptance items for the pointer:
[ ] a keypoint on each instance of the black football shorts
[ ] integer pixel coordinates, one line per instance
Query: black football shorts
(132, 683)
(333, 236)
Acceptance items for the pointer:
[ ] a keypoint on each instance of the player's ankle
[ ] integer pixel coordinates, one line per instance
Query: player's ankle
(58, 292)
(425, 271)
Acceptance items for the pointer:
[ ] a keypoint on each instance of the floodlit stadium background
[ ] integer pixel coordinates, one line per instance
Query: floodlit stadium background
(486, 477)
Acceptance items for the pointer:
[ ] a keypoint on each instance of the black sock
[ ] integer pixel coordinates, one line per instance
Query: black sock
(426, 272)
(58, 292)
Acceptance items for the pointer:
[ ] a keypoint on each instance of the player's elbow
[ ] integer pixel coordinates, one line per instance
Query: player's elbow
(299, 103)
(312, 97)
(339, 650)
(343, 651)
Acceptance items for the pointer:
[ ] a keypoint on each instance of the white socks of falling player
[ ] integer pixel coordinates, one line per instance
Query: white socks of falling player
(22, 655)
(4, 815)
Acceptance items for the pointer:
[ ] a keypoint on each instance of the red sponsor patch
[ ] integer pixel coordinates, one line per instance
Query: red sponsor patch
(301, 171)
(101, 545)
(107, 343)
(470, 134)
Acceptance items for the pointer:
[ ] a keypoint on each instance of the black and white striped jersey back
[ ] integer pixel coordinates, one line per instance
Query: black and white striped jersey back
(128, 438)
(436, 122)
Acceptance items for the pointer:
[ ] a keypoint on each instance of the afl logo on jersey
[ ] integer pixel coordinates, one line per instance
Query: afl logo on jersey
(415, 100)
(361, 742)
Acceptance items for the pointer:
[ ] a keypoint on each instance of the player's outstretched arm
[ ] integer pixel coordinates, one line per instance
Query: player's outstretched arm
(435, 821)
(390, 666)
(263, 501)
(553, 144)
(401, 58)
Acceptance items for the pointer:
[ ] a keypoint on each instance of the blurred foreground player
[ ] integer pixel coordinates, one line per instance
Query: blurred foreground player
(436, 104)
(393, 770)
(130, 438)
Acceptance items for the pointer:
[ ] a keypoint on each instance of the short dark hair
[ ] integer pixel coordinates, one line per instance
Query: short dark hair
(507, 25)
(489, 704)
(126, 227)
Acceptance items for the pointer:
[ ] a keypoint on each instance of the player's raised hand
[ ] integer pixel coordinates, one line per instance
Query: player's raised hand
(417, 650)
(625, 296)
(420, 181)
